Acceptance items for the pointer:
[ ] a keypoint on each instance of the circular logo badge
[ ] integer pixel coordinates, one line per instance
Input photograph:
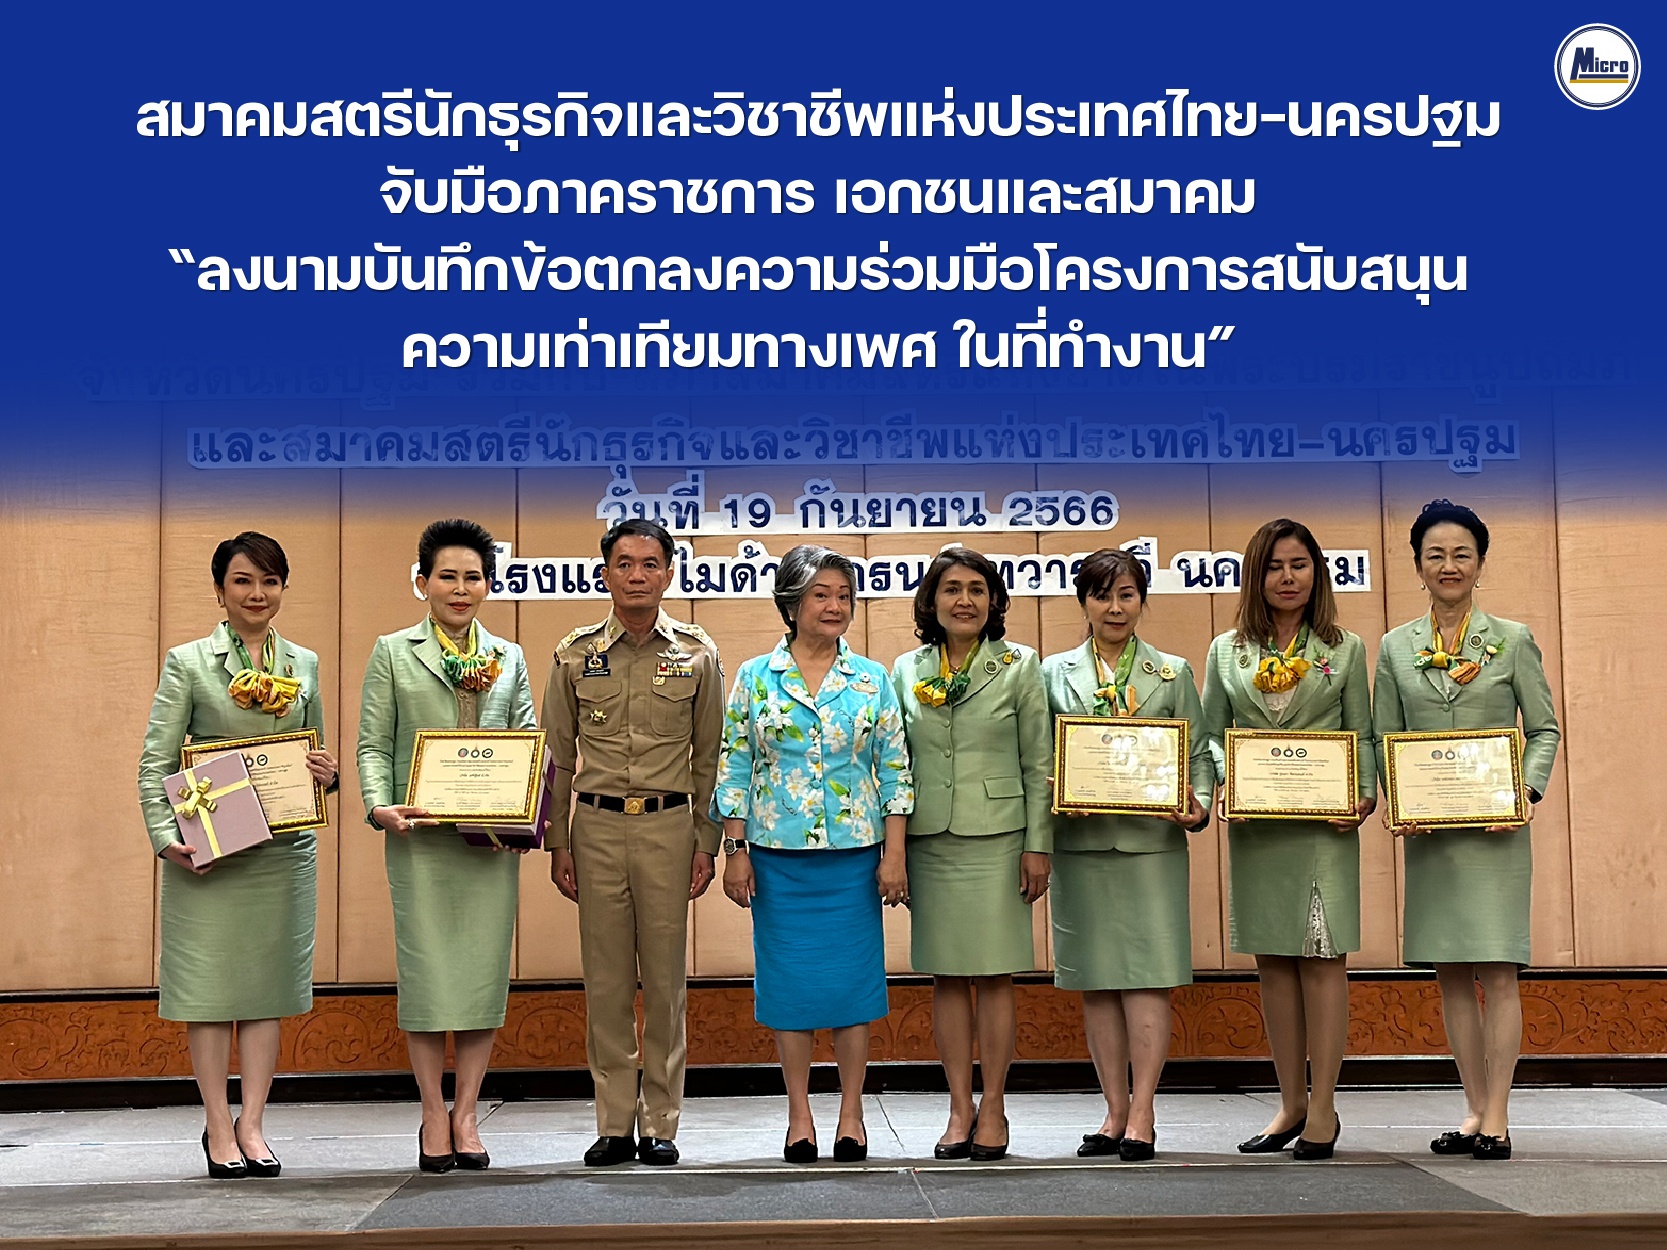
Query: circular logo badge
(1597, 66)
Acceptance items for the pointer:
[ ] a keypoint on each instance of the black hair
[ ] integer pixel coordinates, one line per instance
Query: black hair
(927, 626)
(1445, 511)
(637, 527)
(263, 552)
(1102, 570)
(457, 532)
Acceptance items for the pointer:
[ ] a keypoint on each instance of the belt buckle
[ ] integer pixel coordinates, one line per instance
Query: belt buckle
(633, 806)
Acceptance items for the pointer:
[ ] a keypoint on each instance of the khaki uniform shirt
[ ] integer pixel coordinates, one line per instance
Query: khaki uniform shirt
(645, 719)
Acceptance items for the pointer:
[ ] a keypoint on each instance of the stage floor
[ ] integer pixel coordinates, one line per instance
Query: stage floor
(351, 1167)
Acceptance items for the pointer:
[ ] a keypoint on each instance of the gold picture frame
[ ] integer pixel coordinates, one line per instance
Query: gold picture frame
(1291, 764)
(478, 776)
(1163, 744)
(278, 771)
(1434, 776)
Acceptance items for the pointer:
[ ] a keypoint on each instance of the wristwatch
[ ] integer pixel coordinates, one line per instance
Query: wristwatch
(731, 845)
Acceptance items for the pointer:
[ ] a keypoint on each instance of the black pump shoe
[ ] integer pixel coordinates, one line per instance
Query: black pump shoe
(434, 1163)
(1311, 1151)
(1273, 1143)
(224, 1171)
(850, 1150)
(1097, 1144)
(981, 1153)
(1491, 1147)
(266, 1168)
(1131, 1150)
(472, 1160)
(801, 1151)
(1453, 1143)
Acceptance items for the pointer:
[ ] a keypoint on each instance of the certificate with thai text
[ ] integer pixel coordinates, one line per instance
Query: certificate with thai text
(1455, 778)
(1278, 775)
(291, 798)
(477, 774)
(1120, 765)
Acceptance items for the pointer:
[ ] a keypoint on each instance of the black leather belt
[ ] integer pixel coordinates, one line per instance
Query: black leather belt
(634, 806)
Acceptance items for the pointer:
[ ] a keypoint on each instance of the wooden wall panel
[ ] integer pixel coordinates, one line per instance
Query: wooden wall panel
(1341, 504)
(1612, 548)
(302, 510)
(80, 637)
(382, 515)
(1515, 499)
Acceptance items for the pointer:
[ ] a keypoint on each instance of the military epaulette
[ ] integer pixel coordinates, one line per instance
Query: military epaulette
(694, 631)
(579, 633)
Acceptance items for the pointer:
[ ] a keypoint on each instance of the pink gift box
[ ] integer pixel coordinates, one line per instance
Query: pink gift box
(528, 836)
(217, 809)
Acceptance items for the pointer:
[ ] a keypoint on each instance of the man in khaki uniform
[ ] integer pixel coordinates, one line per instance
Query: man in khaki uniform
(640, 697)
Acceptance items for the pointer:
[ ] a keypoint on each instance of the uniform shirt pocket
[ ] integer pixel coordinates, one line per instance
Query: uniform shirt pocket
(671, 707)
(601, 706)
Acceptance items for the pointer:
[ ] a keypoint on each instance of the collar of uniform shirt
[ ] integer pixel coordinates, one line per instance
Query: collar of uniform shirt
(616, 630)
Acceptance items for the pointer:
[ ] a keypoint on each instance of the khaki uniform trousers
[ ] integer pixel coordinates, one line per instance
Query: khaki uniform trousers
(633, 874)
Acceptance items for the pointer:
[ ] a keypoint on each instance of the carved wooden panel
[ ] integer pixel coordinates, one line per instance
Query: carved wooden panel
(348, 1032)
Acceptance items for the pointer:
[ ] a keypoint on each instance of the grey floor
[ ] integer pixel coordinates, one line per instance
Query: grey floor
(350, 1166)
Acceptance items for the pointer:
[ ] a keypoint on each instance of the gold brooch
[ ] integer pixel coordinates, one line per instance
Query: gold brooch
(989, 666)
(1475, 640)
(1147, 667)
(597, 716)
(1244, 659)
(1167, 673)
(1007, 657)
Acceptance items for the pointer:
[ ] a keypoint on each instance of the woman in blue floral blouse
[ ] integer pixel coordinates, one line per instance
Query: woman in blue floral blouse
(824, 772)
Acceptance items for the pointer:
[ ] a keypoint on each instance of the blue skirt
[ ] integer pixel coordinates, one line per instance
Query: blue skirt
(818, 943)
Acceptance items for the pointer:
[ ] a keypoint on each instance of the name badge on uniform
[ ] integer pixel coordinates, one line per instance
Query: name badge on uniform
(596, 664)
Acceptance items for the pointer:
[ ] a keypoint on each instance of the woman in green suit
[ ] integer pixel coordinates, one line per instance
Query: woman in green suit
(454, 904)
(237, 934)
(980, 835)
(1467, 890)
(1122, 928)
(1294, 885)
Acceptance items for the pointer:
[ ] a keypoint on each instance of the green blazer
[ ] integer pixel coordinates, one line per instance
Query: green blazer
(406, 690)
(1512, 682)
(980, 765)
(191, 702)
(1339, 701)
(1070, 679)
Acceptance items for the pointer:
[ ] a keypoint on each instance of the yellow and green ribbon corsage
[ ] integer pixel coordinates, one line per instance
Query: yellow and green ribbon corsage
(948, 686)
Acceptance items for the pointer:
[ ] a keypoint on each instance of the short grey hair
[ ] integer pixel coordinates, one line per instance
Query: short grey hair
(798, 569)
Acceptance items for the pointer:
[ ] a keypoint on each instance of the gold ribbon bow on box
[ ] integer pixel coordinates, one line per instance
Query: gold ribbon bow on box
(200, 795)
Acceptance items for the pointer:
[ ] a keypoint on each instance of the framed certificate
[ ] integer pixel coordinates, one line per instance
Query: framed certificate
(1278, 775)
(289, 796)
(1456, 778)
(1121, 765)
(486, 775)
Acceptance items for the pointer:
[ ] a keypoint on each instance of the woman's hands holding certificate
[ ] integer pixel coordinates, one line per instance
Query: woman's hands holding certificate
(1362, 809)
(400, 818)
(1189, 817)
(322, 765)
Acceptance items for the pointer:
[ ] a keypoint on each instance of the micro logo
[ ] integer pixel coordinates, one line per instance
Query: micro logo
(1597, 66)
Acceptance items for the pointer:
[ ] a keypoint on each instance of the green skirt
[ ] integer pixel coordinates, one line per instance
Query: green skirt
(1294, 888)
(1121, 921)
(966, 917)
(237, 942)
(1468, 896)
(454, 922)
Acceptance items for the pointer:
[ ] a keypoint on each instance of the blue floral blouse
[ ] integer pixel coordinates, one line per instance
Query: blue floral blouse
(813, 773)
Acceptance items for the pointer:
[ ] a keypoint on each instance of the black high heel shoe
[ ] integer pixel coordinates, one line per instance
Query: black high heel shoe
(224, 1171)
(1273, 1143)
(1097, 1144)
(1133, 1150)
(801, 1151)
(850, 1150)
(267, 1167)
(1310, 1151)
(957, 1149)
(989, 1154)
(434, 1163)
